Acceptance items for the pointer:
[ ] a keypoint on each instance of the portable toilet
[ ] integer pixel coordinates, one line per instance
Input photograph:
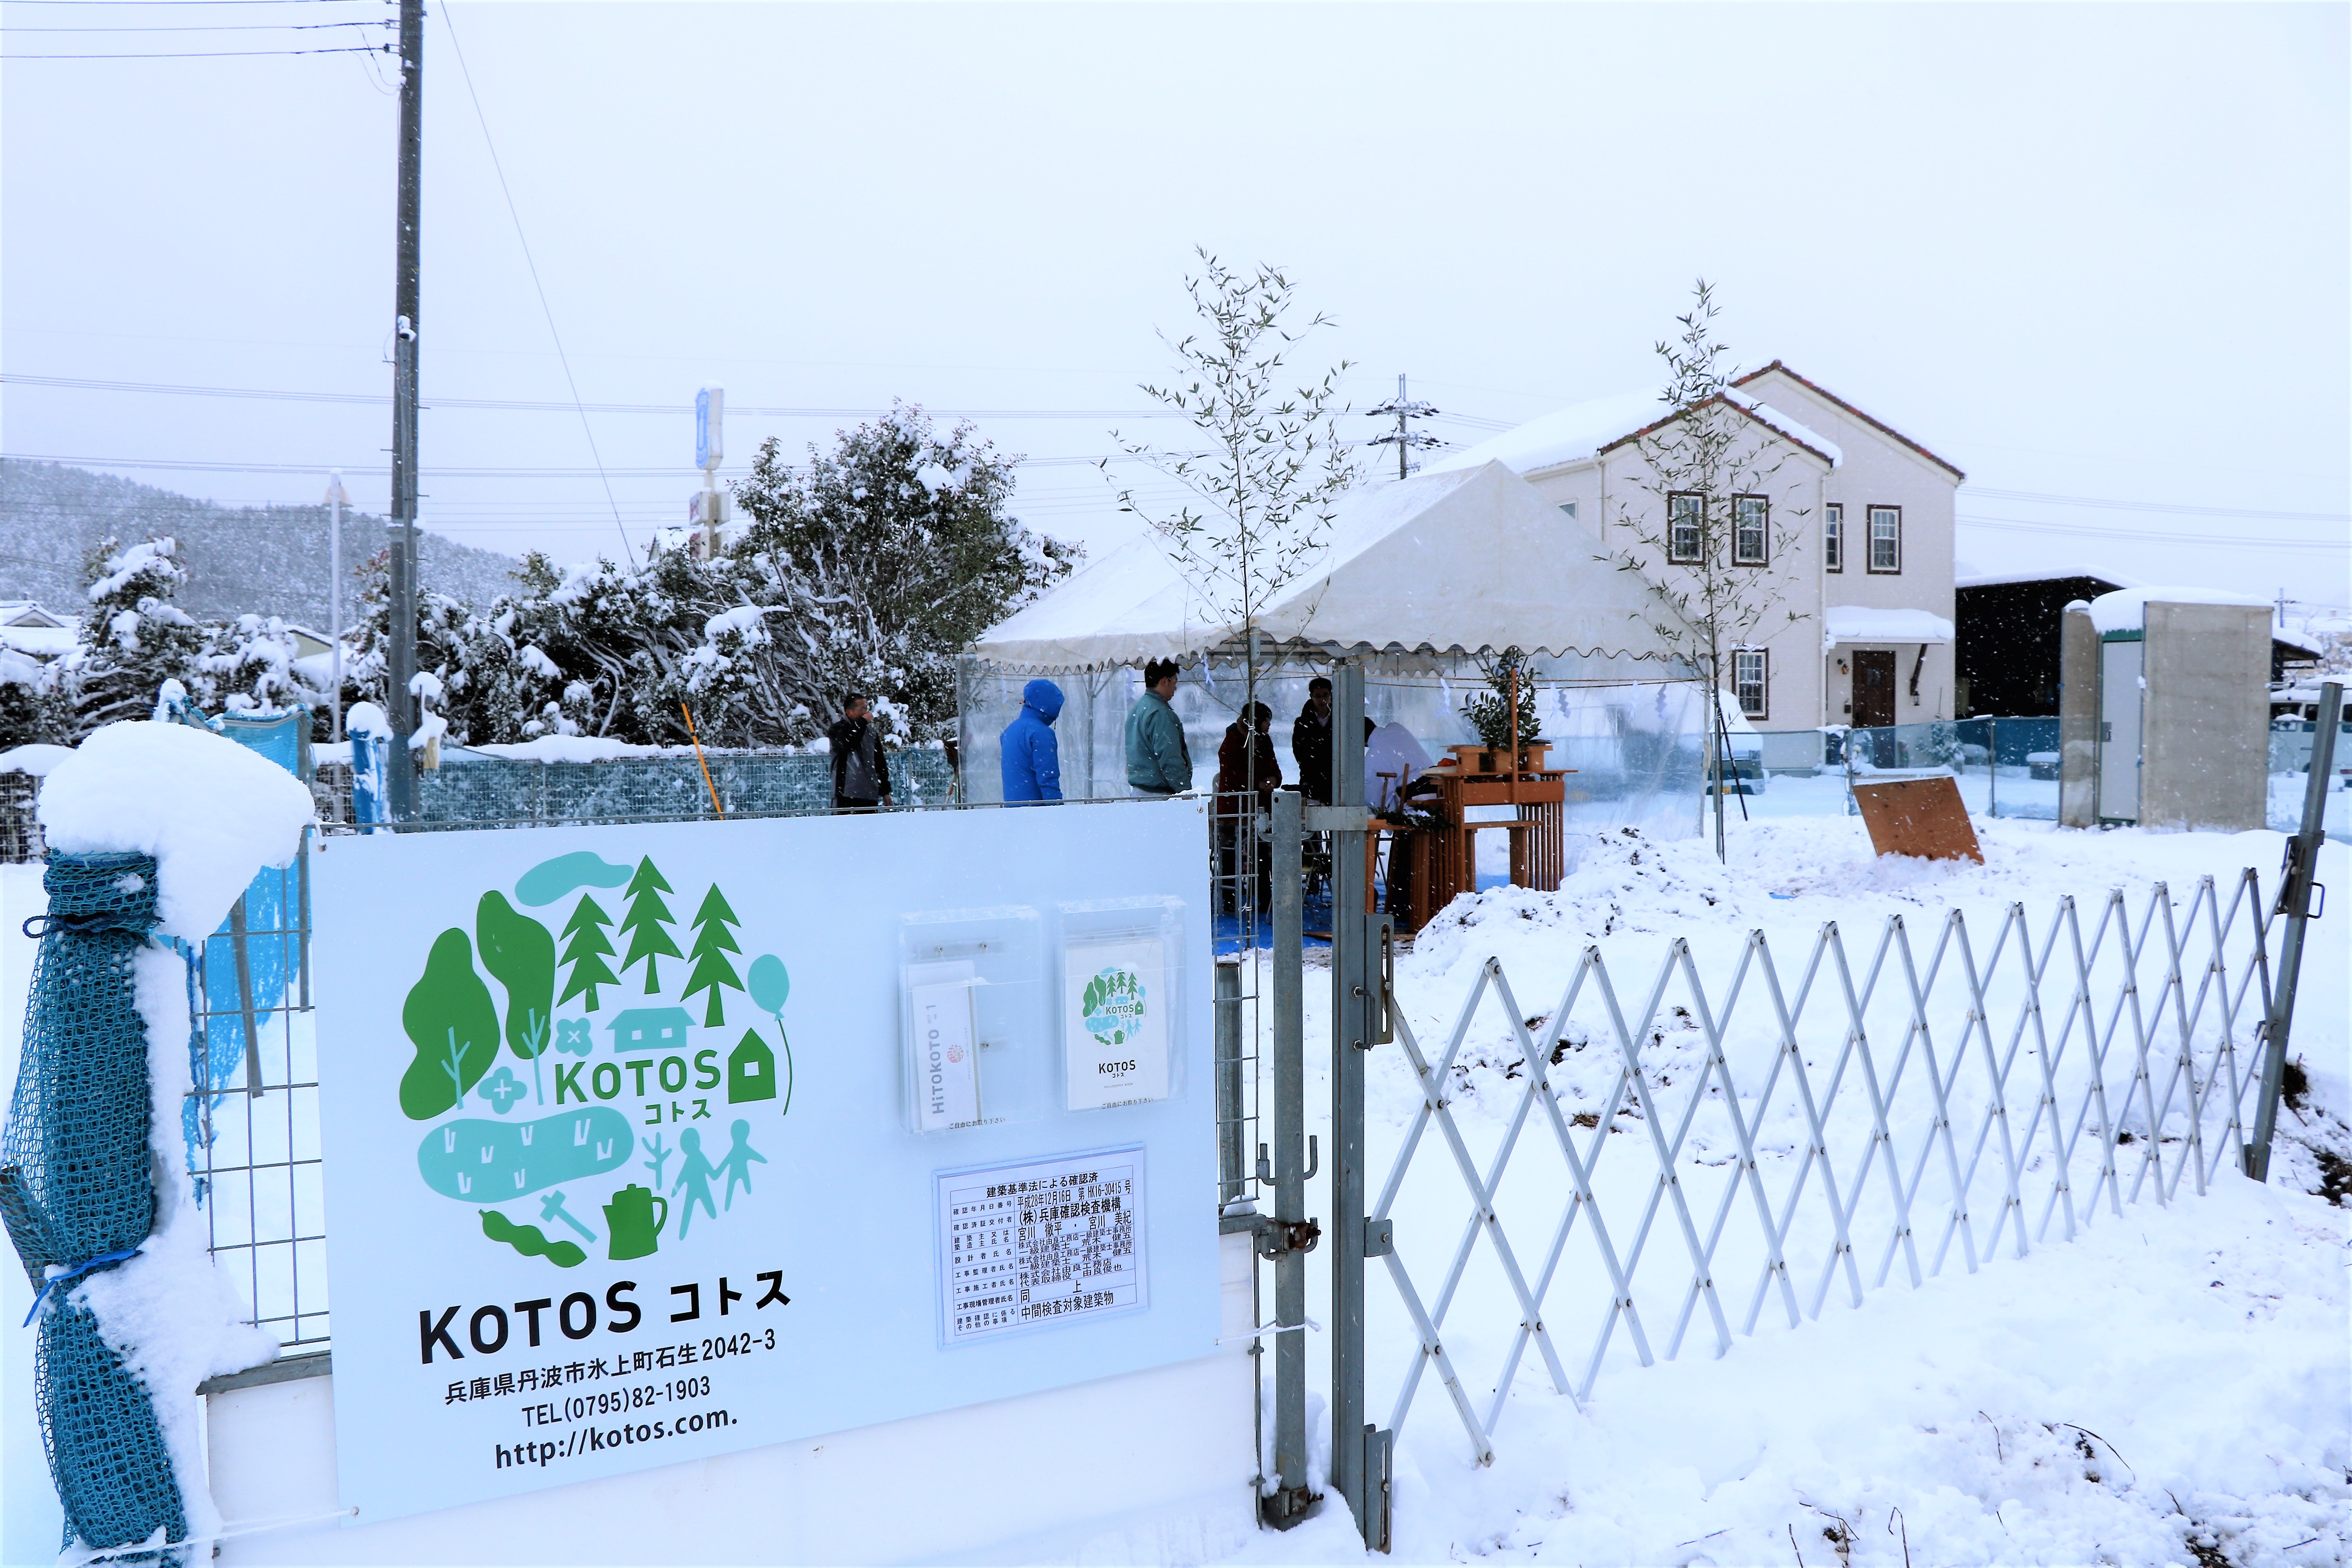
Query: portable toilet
(2173, 707)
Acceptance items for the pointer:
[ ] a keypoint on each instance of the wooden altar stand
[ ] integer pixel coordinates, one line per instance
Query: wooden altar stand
(1444, 857)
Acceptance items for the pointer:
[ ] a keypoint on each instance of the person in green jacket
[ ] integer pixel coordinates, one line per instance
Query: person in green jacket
(1156, 761)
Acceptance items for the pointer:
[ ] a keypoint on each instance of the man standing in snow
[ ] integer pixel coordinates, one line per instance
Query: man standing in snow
(861, 773)
(1158, 763)
(1310, 743)
(1031, 757)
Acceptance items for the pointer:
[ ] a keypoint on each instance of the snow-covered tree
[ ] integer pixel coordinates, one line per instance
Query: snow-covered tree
(902, 543)
(133, 637)
(1261, 496)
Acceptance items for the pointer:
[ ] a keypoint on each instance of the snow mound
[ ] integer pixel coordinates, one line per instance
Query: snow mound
(37, 760)
(210, 811)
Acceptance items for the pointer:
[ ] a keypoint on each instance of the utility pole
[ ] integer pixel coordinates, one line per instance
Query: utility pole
(337, 498)
(400, 703)
(1404, 439)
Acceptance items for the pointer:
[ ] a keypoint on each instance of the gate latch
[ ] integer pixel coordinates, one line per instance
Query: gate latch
(1278, 1238)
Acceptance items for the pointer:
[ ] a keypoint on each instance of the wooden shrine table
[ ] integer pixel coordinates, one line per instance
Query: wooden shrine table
(1444, 857)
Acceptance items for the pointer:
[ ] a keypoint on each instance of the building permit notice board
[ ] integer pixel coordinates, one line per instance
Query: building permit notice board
(649, 1143)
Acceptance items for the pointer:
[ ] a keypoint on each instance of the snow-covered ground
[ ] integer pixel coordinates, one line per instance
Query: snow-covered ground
(2174, 1387)
(2171, 1387)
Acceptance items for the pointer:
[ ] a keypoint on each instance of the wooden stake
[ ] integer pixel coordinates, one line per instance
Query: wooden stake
(698, 758)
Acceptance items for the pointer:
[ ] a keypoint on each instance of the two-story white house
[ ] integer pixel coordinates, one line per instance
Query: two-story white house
(1853, 521)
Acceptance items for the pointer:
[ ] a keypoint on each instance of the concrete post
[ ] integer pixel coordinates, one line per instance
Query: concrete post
(2078, 717)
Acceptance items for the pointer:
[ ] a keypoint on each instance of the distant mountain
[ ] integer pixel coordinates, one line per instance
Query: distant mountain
(270, 560)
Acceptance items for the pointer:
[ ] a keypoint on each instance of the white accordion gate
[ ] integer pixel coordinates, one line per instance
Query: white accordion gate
(1735, 1157)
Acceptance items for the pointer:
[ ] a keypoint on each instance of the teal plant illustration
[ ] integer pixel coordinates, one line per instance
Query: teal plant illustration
(659, 1157)
(528, 1240)
(712, 943)
(517, 950)
(585, 949)
(501, 1089)
(494, 1162)
(646, 922)
(452, 1024)
(772, 986)
(1112, 1005)
(576, 1035)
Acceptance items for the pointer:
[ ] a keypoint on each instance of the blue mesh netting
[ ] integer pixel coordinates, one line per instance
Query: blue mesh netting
(75, 1187)
(240, 984)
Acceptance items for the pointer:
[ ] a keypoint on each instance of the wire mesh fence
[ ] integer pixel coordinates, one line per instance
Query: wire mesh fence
(1707, 1158)
(252, 1117)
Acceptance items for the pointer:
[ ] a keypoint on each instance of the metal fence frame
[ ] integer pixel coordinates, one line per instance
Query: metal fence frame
(2149, 1038)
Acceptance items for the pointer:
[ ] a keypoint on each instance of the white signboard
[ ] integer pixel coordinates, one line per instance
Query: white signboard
(1116, 1002)
(1040, 1242)
(620, 1159)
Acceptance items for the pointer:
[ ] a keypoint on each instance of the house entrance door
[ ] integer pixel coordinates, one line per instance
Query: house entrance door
(1874, 687)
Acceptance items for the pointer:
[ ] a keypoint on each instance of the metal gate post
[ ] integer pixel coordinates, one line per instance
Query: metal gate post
(1286, 1241)
(1359, 1462)
(2294, 902)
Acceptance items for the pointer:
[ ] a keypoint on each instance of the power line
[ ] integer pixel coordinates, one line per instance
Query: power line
(527, 405)
(2094, 532)
(545, 308)
(207, 27)
(2161, 506)
(205, 54)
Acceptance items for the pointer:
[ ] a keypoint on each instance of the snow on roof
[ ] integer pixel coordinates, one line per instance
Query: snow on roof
(1569, 435)
(1581, 431)
(1868, 622)
(41, 642)
(1967, 577)
(2125, 610)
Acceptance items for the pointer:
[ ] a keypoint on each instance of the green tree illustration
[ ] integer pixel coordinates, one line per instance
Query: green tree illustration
(517, 950)
(712, 943)
(585, 950)
(645, 921)
(454, 1025)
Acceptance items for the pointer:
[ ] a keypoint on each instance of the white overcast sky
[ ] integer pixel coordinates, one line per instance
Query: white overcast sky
(2100, 253)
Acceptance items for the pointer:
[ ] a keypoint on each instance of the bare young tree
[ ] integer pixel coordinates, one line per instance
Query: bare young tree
(1262, 489)
(1703, 520)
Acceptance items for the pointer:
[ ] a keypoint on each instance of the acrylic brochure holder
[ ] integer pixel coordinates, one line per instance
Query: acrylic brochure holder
(1121, 1001)
(971, 1008)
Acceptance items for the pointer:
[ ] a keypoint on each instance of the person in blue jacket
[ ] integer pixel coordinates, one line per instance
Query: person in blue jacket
(1033, 758)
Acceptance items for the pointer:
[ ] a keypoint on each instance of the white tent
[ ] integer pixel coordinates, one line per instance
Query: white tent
(1439, 563)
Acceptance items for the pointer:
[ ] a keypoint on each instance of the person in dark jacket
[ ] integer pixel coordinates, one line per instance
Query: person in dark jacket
(1031, 757)
(861, 773)
(1248, 775)
(1310, 743)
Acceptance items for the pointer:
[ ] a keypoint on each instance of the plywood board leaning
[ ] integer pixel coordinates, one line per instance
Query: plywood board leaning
(1921, 817)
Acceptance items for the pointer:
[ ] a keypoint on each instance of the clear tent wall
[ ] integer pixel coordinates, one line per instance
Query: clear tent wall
(1636, 742)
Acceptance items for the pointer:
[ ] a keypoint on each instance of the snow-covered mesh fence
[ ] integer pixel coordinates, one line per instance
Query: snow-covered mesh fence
(1707, 1157)
(77, 1198)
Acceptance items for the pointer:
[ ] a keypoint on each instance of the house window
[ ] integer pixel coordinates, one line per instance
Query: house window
(1834, 537)
(1750, 680)
(1886, 539)
(1751, 517)
(1686, 527)
(1569, 506)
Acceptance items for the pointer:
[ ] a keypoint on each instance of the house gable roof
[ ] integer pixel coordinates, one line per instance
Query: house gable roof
(1830, 397)
(1772, 419)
